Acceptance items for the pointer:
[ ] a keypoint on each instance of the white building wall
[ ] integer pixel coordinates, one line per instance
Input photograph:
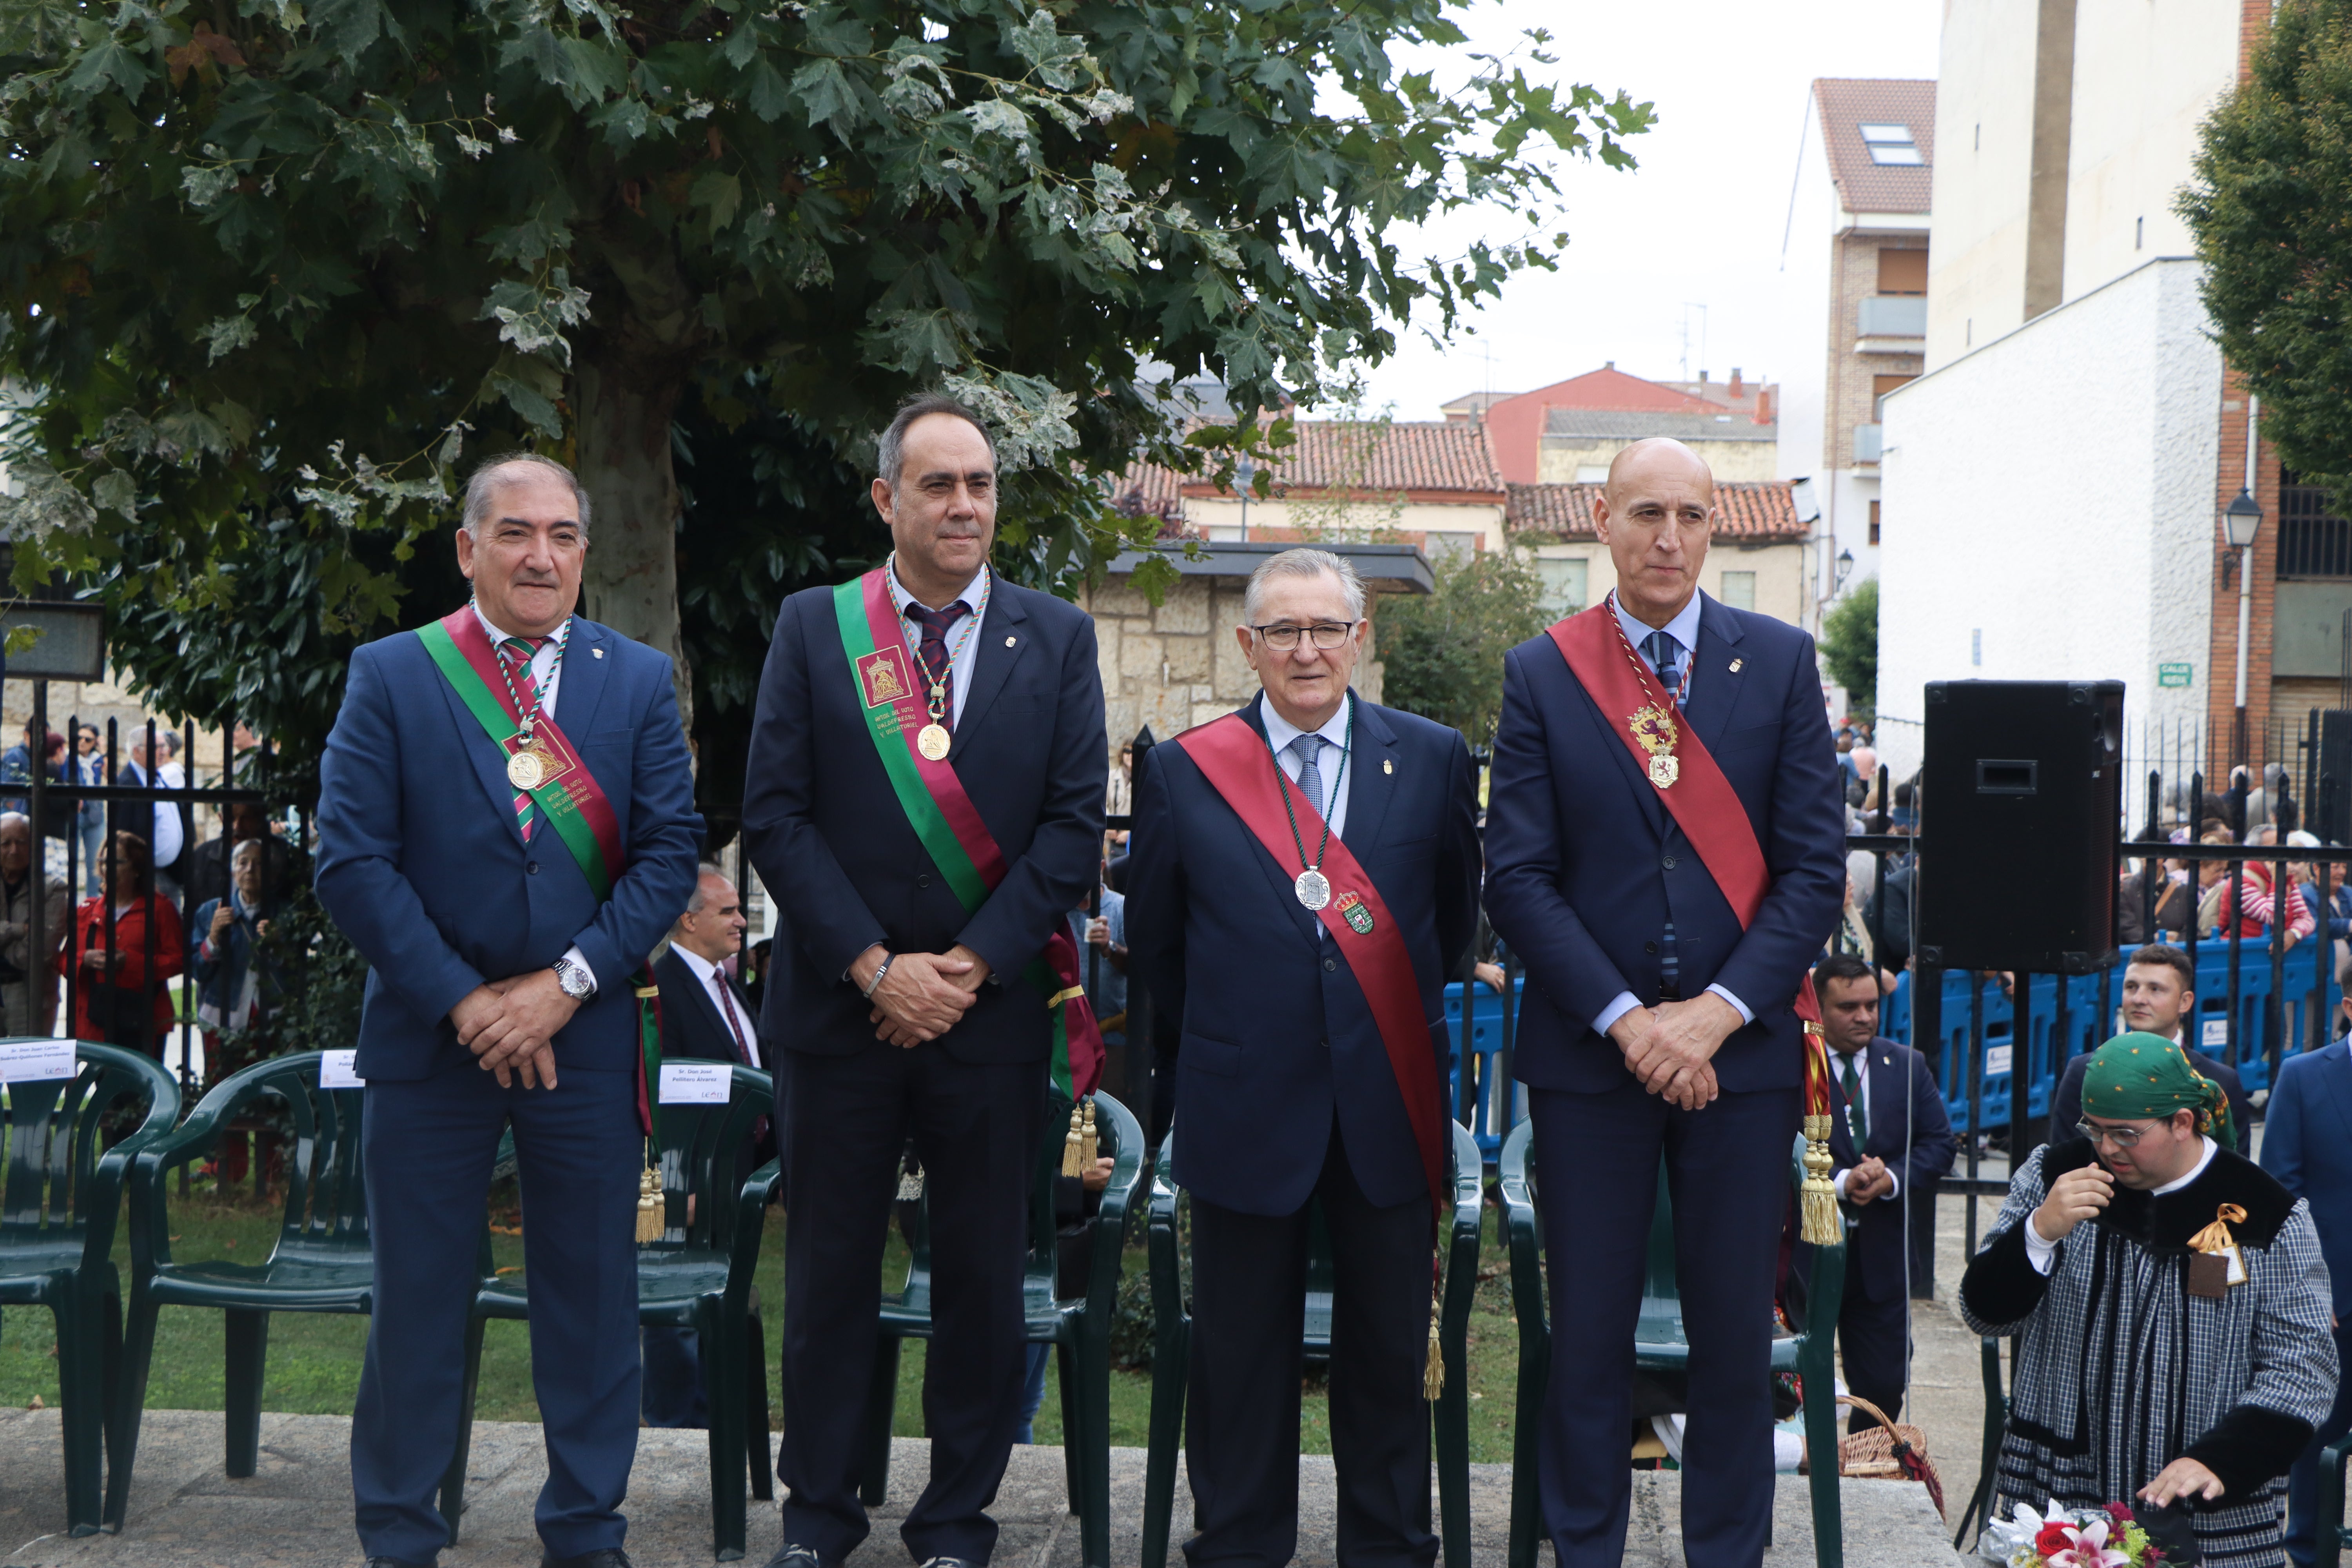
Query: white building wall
(1805, 343)
(2147, 73)
(1984, 156)
(2054, 491)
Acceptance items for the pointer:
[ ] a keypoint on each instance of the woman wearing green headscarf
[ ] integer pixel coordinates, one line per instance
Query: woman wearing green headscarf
(2172, 1310)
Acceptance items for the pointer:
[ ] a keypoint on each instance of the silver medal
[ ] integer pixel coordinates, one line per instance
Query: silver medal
(1312, 887)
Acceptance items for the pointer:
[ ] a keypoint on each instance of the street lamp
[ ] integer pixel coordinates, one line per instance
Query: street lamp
(1245, 471)
(1844, 566)
(2240, 521)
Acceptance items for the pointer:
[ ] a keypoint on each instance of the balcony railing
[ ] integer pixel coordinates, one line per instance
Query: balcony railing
(1866, 443)
(1892, 316)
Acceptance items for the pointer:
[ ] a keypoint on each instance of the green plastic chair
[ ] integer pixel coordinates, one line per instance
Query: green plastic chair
(322, 1262)
(699, 1276)
(1173, 1343)
(1077, 1327)
(1996, 1423)
(59, 1195)
(2327, 1542)
(1659, 1344)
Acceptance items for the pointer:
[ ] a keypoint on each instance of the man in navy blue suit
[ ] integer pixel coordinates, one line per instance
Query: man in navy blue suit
(504, 871)
(1294, 1084)
(2307, 1145)
(897, 1006)
(1665, 935)
(1890, 1143)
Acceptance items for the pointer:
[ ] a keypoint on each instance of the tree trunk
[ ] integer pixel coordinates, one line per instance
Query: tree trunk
(624, 410)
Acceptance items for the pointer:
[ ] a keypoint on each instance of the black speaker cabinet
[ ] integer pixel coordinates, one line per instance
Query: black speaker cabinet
(2021, 805)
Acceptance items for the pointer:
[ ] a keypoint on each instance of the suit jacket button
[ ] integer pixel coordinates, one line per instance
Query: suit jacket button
(1669, 862)
(1325, 1041)
(1330, 963)
(923, 880)
(1649, 947)
(532, 866)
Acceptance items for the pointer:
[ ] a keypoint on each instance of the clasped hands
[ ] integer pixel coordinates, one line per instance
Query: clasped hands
(924, 994)
(1869, 1180)
(1670, 1048)
(510, 1026)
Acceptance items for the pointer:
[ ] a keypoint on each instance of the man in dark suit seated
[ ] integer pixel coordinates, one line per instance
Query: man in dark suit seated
(925, 790)
(1304, 882)
(703, 1014)
(1890, 1143)
(505, 877)
(1667, 856)
(2160, 999)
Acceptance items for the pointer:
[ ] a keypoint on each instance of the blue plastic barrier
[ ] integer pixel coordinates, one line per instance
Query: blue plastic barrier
(2087, 1026)
(1490, 1122)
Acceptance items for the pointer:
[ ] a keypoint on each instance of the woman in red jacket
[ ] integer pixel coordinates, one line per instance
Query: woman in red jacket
(120, 997)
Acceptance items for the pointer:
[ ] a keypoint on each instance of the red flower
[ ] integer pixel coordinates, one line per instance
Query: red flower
(2053, 1538)
(2120, 1514)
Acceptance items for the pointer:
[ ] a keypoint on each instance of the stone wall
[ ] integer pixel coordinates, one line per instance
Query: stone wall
(1178, 664)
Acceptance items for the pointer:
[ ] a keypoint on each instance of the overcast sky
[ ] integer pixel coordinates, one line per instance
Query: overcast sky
(1699, 223)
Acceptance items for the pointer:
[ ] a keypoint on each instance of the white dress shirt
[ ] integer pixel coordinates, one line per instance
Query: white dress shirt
(1861, 1060)
(963, 651)
(545, 674)
(722, 993)
(1683, 629)
(2042, 1254)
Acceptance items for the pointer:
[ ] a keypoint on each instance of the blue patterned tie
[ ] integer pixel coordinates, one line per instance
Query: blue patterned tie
(1663, 652)
(1306, 748)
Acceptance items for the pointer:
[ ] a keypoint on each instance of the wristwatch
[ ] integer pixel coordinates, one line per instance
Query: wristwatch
(577, 983)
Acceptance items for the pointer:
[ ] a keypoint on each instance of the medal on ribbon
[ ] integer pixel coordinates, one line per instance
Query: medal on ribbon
(1654, 728)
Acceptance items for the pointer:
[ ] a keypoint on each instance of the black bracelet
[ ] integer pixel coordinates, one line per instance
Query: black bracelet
(880, 969)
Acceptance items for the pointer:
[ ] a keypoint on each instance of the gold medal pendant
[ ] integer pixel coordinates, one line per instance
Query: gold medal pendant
(1665, 770)
(526, 769)
(934, 741)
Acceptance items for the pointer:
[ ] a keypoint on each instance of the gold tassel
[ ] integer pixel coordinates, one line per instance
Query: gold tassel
(1087, 1147)
(910, 1184)
(650, 1223)
(1819, 1225)
(1432, 1371)
(1071, 1146)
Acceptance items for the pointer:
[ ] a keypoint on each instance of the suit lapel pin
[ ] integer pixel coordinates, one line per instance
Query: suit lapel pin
(1008, 642)
(1735, 663)
(1387, 766)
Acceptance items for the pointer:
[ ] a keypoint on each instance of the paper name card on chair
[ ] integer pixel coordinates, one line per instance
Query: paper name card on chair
(338, 1070)
(697, 1083)
(24, 1062)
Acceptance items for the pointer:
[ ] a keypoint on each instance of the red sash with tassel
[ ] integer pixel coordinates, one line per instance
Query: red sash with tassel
(1694, 791)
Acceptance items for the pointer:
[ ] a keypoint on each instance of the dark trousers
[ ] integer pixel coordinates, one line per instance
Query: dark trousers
(1241, 1436)
(427, 1148)
(1727, 1171)
(673, 1394)
(976, 1128)
(2303, 1479)
(1873, 1344)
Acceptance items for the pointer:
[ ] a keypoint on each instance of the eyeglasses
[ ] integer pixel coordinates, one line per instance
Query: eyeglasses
(1328, 635)
(2121, 1137)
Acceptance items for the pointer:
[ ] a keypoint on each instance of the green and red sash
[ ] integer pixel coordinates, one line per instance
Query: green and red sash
(944, 817)
(1233, 758)
(568, 796)
(1649, 724)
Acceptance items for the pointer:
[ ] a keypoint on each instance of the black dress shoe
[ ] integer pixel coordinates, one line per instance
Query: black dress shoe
(395, 1563)
(791, 1555)
(952, 1562)
(603, 1557)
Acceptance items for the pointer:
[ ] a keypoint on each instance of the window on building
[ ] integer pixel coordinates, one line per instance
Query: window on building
(1873, 522)
(1738, 589)
(1890, 144)
(1880, 385)
(1450, 546)
(1564, 584)
(1591, 473)
(1902, 271)
(2313, 541)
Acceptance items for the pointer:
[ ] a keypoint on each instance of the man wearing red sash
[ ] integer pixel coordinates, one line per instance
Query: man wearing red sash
(504, 874)
(1664, 848)
(1304, 881)
(924, 797)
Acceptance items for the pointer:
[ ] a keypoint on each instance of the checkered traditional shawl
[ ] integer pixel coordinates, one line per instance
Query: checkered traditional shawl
(2119, 1346)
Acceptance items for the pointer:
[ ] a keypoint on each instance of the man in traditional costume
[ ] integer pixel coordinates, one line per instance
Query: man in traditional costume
(504, 876)
(1666, 855)
(925, 796)
(2172, 1308)
(1304, 882)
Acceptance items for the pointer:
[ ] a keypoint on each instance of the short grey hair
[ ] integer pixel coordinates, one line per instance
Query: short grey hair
(1304, 564)
(693, 904)
(890, 447)
(492, 473)
(8, 817)
(246, 847)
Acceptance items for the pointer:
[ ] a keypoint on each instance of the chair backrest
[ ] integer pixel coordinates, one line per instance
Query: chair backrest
(57, 1162)
(326, 1180)
(700, 1149)
(1658, 1281)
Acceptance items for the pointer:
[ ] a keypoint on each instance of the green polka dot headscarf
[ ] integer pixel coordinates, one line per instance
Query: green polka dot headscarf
(2147, 1077)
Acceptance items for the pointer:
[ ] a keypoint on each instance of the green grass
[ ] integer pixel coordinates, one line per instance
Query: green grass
(314, 1360)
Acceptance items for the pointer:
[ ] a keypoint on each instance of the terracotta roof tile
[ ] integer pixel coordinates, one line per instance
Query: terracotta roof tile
(1846, 104)
(1754, 511)
(1418, 456)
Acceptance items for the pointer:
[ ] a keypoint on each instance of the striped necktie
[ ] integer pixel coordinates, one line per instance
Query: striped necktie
(1664, 652)
(516, 653)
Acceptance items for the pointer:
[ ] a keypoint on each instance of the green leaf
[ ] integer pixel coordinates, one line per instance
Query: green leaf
(765, 93)
(824, 91)
(346, 28)
(720, 193)
(116, 492)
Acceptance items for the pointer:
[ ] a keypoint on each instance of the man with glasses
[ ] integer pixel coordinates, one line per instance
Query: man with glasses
(1303, 883)
(2172, 1306)
(2160, 999)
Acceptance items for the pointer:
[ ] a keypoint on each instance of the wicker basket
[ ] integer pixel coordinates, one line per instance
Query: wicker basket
(1889, 1453)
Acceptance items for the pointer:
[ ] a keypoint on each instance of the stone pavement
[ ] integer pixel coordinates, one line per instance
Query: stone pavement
(296, 1511)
